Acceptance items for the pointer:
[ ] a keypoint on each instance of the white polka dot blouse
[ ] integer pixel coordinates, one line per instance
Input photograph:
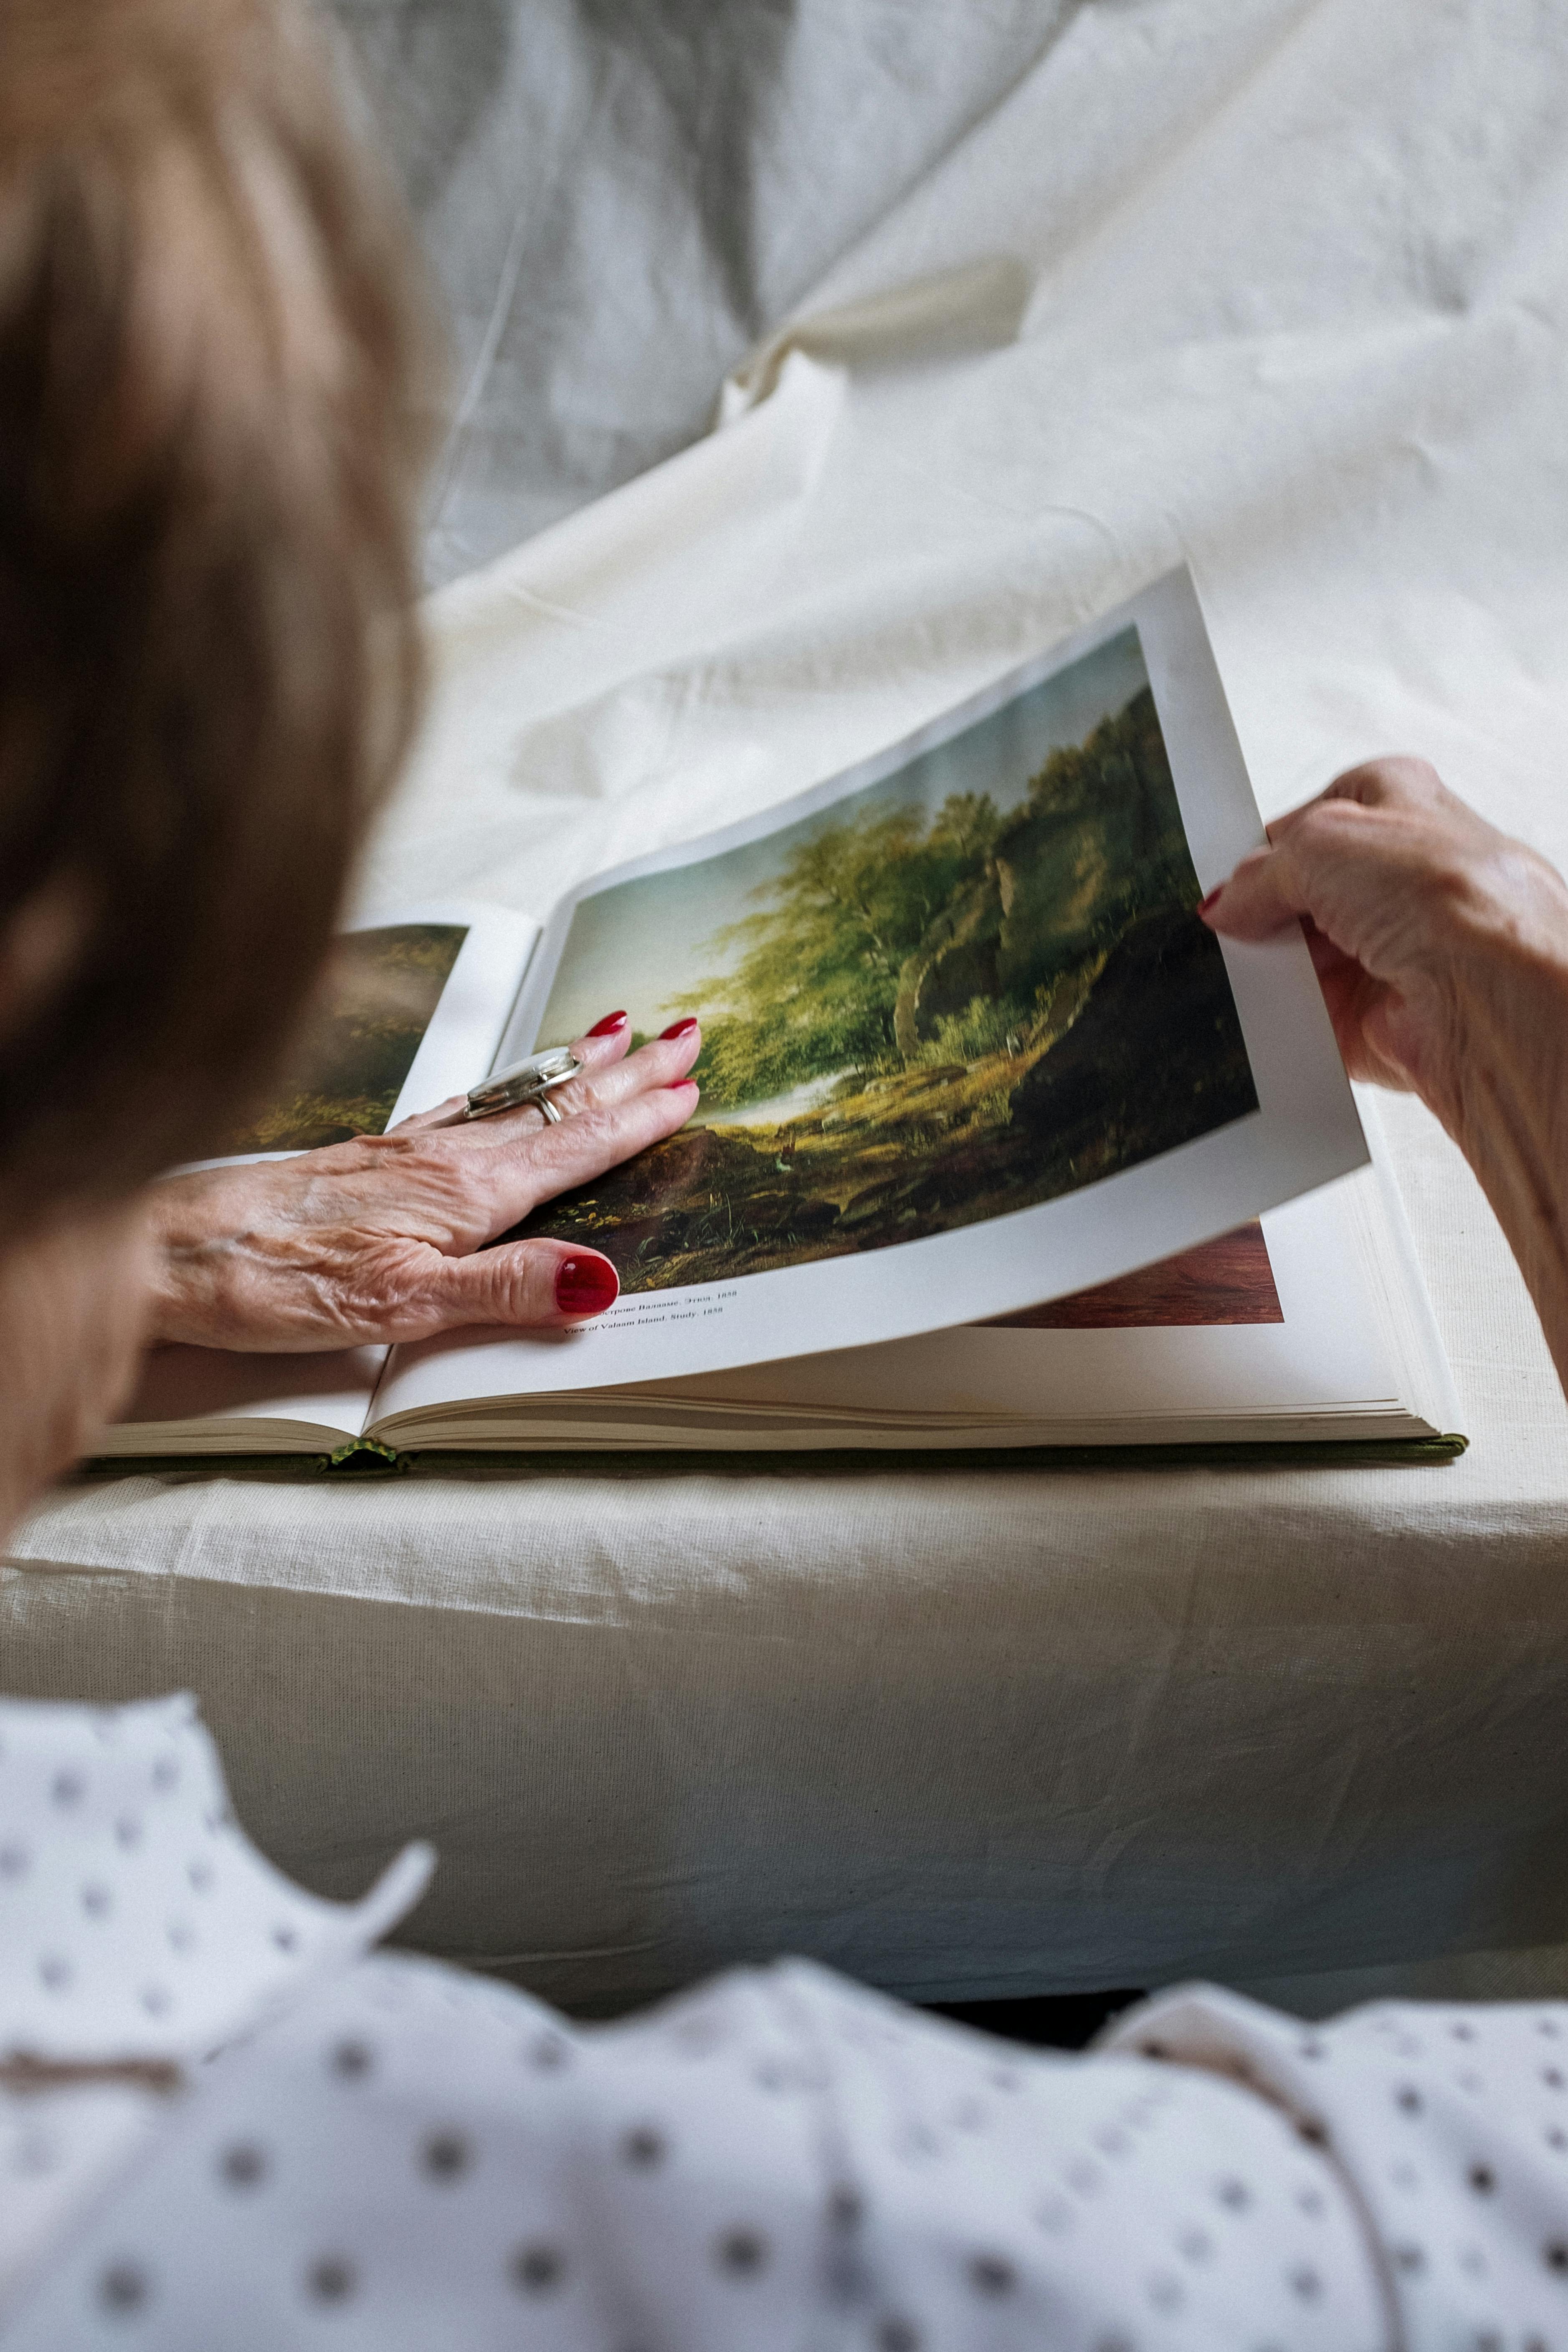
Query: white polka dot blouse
(224, 2122)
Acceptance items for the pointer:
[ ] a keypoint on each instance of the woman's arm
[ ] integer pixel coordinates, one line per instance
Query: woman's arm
(1442, 948)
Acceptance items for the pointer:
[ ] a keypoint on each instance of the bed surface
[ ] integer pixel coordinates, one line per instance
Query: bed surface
(1281, 288)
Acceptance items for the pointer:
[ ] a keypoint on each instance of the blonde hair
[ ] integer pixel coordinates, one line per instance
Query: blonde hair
(215, 389)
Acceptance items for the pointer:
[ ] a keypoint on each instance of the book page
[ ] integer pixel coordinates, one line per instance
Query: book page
(1319, 1348)
(1275, 1324)
(199, 1388)
(966, 1044)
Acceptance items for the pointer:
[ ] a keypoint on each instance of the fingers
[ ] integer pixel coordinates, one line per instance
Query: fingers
(615, 1078)
(440, 1113)
(543, 1284)
(494, 1171)
(610, 1075)
(477, 1178)
(605, 1043)
(531, 1285)
(1398, 781)
(1263, 895)
(1338, 860)
(590, 1141)
(610, 1082)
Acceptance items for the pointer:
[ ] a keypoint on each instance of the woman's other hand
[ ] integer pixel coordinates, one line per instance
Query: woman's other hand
(383, 1238)
(1442, 948)
(1417, 913)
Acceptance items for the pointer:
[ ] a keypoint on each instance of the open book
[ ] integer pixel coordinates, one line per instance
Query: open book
(997, 1144)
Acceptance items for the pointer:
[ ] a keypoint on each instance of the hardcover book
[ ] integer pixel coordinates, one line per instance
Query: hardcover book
(997, 1146)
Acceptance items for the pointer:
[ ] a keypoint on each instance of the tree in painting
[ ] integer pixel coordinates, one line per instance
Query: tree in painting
(886, 943)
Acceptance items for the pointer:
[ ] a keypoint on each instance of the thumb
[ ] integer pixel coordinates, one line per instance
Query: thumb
(532, 1285)
(1261, 898)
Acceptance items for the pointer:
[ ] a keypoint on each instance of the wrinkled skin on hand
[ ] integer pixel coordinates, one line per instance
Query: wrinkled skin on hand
(1411, 904)
(1441, 946)
(383, 1238)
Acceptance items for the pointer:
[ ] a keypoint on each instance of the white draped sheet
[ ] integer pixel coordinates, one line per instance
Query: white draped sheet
(1282, 287)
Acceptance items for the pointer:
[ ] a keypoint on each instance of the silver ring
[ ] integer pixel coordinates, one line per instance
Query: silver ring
(530, 1081)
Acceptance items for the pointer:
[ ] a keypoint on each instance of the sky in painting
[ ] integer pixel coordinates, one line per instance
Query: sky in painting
(646, 943)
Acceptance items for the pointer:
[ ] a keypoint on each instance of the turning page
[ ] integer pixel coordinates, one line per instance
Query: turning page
(966, 1044)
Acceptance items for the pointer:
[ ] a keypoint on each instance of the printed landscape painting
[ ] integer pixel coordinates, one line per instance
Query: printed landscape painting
(358, 1046)
(965, 990)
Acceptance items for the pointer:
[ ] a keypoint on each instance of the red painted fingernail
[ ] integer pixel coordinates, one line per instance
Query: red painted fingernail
(608, 1026)
(676, 1084)
(679, 1028)
(1213, 899)
(585, 1286)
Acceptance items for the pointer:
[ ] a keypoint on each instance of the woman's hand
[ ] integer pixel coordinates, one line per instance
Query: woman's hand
(1442, 948)
(383, 1238)
(1423, 921)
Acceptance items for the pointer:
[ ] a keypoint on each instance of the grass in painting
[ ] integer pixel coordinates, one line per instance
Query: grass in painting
(933, 1015)
(358, 1046)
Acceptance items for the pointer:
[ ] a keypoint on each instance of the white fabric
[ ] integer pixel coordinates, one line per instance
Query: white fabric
(406, 2155)
(1296, 277)
(412, 2157)
(1452, 2124)
(60, 2153)
(778, 2159)
(618, 196)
